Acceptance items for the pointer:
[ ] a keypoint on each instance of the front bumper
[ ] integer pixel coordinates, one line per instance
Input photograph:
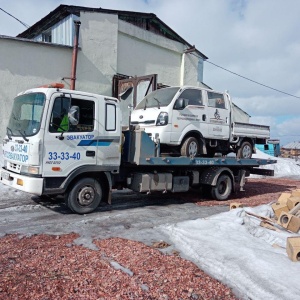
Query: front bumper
(23, 183)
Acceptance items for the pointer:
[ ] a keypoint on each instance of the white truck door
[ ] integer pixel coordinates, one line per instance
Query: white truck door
(67, 146)
(187, 114)
(217, 115)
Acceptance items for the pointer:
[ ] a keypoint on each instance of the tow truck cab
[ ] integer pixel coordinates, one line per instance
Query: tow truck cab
(40, 152)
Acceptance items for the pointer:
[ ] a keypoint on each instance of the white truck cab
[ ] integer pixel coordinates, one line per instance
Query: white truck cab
(194, 121)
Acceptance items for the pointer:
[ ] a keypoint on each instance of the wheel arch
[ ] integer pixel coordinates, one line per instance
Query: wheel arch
(246, 139)
(210, 176)
(103, 177)
(192, 133)
(197, 135)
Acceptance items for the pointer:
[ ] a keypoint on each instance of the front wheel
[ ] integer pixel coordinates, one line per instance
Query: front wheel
(245, 150)
(85, 196)
(190, 147)
(223, 188)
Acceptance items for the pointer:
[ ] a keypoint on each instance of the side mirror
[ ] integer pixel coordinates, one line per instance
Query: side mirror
(181, 103)
(73, 115)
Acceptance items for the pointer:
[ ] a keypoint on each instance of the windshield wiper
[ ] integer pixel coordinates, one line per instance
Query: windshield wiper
(14, 117)
(23, 136)
(146, 102)
(9, 132)
(158, 103)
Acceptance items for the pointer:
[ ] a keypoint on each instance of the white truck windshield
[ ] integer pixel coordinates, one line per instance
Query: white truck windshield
(158, 98)
(25, 118)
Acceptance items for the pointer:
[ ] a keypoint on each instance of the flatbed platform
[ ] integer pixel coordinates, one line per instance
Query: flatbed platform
(140, 150)
(204, 161)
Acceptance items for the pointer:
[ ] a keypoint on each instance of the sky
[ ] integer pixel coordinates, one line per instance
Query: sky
(231, 246)
(255, 39)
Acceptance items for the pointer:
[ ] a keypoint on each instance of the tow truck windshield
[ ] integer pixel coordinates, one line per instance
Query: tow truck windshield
(25, 118)
(165, 97)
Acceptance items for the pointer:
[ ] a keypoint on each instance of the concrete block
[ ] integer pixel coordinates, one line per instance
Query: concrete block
(296, 193)
(293, 248)
(284, 197)
(288, 221)
(293, 201)
(234, 205)
(278, 208)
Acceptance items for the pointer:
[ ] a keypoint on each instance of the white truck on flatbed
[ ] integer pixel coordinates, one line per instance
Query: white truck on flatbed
(194, 121)
(71, 143)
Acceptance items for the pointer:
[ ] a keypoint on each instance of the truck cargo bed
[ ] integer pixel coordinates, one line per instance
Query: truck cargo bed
(250, 130)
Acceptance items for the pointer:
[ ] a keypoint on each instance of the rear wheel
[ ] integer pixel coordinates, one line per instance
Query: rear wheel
(190, 147)
(245, 150)
(85, 196)
(223, 188)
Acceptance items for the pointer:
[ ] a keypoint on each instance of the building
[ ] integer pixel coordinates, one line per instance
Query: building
(118, 51)
(291, 150)
(272, 147)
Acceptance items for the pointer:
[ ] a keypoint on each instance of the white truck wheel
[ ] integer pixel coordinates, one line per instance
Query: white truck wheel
(245, 150)
(190, 147)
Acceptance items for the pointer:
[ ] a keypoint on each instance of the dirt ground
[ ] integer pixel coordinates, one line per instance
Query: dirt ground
(257, 192)
(53, 267)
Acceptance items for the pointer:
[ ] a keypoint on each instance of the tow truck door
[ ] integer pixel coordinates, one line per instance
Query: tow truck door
(67, 147)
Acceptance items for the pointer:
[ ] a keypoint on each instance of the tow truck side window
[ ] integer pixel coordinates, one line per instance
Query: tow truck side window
(110, 117)
(59, 121)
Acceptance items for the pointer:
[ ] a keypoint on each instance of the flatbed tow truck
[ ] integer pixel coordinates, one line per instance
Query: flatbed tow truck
(71, 143)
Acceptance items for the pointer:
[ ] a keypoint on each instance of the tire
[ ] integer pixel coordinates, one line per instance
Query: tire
(245, 150)
(190, 147)
(85, 196)
(223, 188)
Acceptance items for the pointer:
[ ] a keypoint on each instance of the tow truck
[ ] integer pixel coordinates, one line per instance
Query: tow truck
(90, 155)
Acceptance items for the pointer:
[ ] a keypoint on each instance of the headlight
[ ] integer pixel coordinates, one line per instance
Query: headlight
(30, 170)
(162, 119)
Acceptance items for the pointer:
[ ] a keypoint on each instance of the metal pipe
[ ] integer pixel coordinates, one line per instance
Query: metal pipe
(74, 55)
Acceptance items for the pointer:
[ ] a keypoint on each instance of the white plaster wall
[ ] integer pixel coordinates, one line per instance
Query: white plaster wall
(97, 62)
(190, 69)
(24, 65)
(141, 52)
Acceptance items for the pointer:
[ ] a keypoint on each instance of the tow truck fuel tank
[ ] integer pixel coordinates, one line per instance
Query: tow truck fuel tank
(148, 182)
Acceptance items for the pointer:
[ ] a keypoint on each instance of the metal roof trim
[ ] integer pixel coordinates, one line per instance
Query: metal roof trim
(63, 11)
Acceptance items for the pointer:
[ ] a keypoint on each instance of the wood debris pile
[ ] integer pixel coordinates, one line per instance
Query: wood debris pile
(287, 210)
(286, 217)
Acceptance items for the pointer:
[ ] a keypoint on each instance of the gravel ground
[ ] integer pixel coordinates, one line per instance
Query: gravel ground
(53, 267)
(257, 192)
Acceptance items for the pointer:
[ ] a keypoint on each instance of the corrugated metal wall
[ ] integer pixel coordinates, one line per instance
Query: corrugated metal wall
(62, 32)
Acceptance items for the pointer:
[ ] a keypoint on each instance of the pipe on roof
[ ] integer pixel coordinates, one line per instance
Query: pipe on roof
(75, 54)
